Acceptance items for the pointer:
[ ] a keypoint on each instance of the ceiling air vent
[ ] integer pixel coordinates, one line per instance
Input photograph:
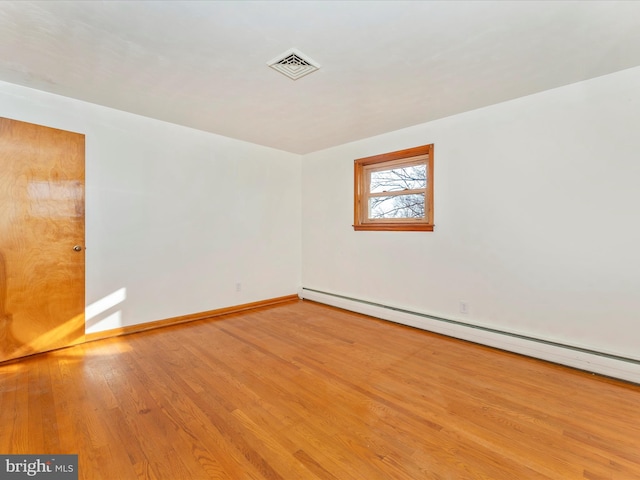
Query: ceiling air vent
(293, 64)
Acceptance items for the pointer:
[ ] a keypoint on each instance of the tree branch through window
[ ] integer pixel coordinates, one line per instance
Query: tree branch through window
(394, 191)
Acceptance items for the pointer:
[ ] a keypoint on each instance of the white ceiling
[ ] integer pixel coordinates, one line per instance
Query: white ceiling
(385, 65)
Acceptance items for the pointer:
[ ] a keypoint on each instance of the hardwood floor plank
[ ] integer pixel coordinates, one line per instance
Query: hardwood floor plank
(181, 403)
(12, 393)
(17, 425)
(305, 391)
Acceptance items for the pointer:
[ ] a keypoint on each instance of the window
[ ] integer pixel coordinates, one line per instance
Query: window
(394, 191)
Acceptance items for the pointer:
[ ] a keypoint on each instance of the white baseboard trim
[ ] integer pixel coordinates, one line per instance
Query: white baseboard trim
(583, 359)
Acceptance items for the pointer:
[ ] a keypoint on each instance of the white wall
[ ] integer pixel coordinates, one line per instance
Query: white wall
(175, 217)
(536, 213)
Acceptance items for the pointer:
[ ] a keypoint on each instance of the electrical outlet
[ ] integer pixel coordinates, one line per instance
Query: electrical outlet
(238, 286)
(464, 308)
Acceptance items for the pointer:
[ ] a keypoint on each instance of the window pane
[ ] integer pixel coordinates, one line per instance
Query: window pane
(397, 206)
(396, 179)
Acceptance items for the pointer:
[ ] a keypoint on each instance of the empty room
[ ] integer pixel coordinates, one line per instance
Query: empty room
(319, 240)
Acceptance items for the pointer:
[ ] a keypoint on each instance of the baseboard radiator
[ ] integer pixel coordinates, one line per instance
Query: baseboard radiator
(584, 359)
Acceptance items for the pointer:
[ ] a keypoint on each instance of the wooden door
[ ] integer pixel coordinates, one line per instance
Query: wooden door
(41, 238)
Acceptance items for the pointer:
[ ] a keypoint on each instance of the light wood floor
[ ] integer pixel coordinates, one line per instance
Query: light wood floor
(304, 391)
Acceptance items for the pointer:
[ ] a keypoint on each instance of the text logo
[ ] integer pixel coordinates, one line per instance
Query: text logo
(45, 467)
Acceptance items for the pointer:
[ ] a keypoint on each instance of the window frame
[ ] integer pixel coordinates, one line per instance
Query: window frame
(386, 161)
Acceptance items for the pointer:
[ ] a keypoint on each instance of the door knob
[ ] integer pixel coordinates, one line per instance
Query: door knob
(77, 248)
